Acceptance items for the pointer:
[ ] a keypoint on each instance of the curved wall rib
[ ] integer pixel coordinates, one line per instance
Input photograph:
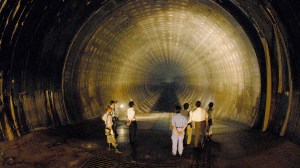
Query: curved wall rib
(63, 61)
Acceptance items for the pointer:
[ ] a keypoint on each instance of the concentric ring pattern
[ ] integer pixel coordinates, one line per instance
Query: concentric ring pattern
(167, 52)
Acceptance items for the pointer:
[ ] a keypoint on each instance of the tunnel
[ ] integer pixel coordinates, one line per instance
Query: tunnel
(63, 61)
(160, 55)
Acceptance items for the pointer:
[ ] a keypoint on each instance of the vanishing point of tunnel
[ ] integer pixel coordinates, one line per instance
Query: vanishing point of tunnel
(62, 62)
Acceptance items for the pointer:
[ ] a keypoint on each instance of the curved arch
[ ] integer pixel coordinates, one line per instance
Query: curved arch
(199, 48)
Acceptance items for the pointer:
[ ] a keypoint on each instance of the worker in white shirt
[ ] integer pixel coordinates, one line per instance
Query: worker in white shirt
(131, 122)
(199, 117)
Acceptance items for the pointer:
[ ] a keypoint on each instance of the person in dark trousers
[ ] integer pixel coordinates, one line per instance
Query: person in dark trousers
(210, 122)
(131, 122)
(112, 104)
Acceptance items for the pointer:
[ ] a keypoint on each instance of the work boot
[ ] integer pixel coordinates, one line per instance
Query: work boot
(207, 138)
(109, 146)
(116, 149)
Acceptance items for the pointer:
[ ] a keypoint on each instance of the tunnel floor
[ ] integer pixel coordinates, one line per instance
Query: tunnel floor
(84, 145)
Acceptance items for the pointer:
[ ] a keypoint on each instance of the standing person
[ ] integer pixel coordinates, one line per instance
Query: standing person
(131, 122)
(179, 123)
(189, 130)
(111, 140)
(210, 123)
(199, 117)
(112, 104)
(116, 110)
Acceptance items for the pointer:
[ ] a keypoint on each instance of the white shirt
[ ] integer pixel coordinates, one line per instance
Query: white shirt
(199, 114)
(131, 114)
(113, 111)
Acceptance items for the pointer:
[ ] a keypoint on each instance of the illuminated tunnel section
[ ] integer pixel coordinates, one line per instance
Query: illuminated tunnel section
(163, 54)
(61, 62)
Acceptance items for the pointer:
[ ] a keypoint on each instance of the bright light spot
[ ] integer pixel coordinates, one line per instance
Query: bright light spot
(89, 146)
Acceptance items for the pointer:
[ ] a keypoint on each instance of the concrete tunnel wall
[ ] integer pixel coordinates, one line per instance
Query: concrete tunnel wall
(143, 53)
(63, 61)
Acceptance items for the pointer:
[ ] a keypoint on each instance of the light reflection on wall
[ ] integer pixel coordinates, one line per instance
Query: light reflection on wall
(142, 46)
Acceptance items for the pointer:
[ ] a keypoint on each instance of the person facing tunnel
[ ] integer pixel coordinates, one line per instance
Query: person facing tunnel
(131, 122)
(179, 123)
(199, 117)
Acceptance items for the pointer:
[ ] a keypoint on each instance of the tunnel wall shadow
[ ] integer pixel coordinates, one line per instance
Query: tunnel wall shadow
(167, 100)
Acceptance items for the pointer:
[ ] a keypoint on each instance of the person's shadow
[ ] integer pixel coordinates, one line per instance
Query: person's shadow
(133, 152)
(202, 157)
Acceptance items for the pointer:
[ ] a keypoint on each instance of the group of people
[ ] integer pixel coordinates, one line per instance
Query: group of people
(110, 119)
(183, 123)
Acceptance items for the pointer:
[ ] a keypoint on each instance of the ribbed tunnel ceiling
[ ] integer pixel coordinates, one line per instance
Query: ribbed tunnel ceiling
(162, 53)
